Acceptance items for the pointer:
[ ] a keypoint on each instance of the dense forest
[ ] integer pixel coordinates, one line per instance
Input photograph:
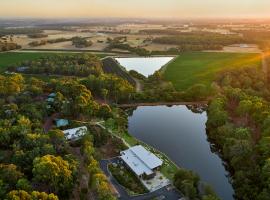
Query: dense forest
(39, 165)
(69, 65)
(238, 125)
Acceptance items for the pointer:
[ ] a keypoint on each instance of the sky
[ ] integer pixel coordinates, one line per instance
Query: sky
(136, 8)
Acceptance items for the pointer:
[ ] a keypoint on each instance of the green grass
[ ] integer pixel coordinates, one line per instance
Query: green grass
(202, 67)
(10, 58)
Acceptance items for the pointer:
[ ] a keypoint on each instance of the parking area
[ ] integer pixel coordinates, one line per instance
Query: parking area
(155, 183)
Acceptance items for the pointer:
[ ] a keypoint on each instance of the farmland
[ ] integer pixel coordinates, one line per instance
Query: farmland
(201, 67)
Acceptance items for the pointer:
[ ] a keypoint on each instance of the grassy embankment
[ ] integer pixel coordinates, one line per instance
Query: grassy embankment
(202, 67)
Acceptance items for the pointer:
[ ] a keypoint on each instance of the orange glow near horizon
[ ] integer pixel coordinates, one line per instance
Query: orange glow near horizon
(136, 9)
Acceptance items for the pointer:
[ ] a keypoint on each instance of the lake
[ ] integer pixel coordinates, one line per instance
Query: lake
(181, 135)
(144, 65)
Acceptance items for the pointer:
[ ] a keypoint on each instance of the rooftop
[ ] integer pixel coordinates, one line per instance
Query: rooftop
(52, 95)
(75, 133)
(140, 160)
(61, 122)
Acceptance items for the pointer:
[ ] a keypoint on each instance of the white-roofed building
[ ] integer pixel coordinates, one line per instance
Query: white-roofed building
(75, 133)
(142, 162)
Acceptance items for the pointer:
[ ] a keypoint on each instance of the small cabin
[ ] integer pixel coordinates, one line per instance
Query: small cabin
(75, 133)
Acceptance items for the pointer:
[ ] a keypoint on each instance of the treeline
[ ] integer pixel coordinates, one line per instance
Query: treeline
(37, 35)
(7, 46)
(259, 37)
(69, 65)
(18, 31)
(168, 31)
(199, 40)
(52, 41)
(80, 42)
(238, 125)
(120, 43)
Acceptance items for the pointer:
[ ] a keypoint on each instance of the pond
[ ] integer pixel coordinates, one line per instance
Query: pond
(181, 135)
(144, 65)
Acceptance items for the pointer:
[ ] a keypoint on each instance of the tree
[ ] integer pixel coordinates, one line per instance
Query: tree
(266, 170)
(23, 195)
(244, 108)
(53, 171)
(197, 91)
(18, 195)
(187, 182)
(58, 101)
(3, 189)
(210, 197)
(209, 193)
(24, 184)
(105, 93)
(264, 147)
(10, 174)
(105, 111)
(57, 138)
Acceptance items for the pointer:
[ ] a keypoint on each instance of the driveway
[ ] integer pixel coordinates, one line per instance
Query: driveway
(168, 194)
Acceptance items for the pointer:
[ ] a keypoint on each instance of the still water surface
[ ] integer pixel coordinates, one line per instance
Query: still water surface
(144, 65)
(181, 134)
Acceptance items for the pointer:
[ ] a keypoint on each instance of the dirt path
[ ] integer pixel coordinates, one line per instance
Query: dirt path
(49, 122)
(83, 177)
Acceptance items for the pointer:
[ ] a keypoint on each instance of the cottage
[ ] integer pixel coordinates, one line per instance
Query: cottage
(75, 133)
(142, 162)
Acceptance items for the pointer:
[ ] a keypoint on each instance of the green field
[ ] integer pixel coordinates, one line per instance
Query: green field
(201, 67)
(10, 58)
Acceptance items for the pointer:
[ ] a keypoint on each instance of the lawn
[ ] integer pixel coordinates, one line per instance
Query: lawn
(202, 67)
